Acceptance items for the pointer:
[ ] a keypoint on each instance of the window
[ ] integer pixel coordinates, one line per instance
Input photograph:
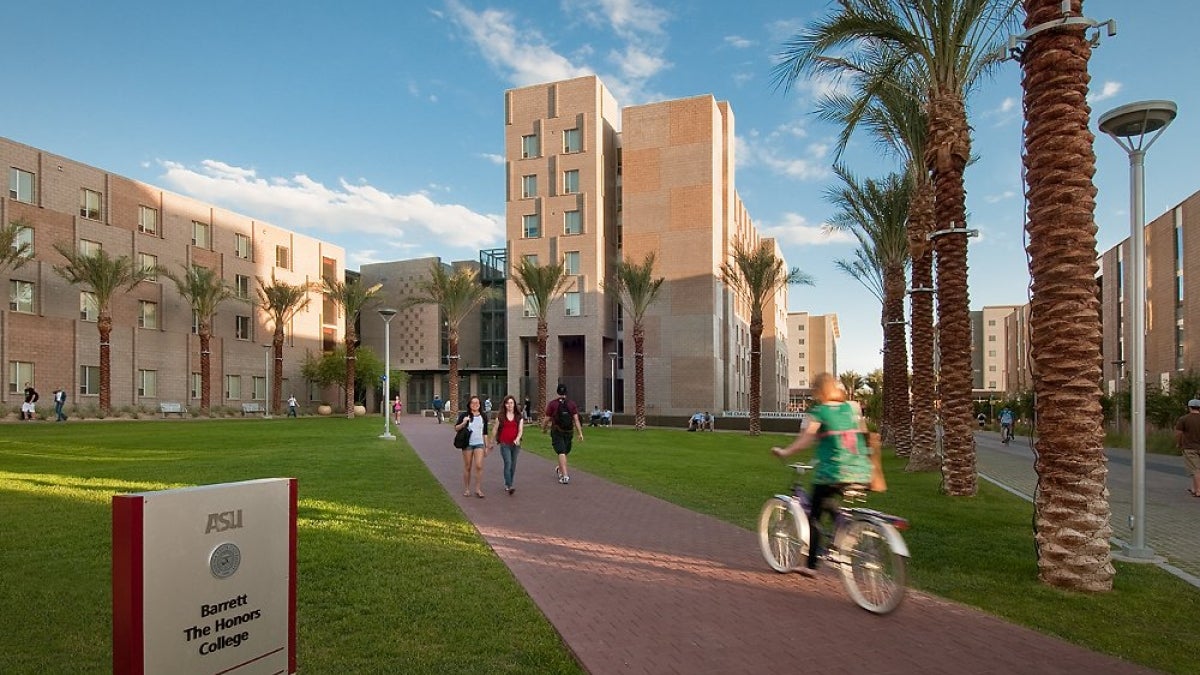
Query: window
(572, 222)
(147, 314)
(19, 372)
(20, 296)
(528, 187)
(991, 384)
(532, 226)
(241, 286)
(572, 141)
(197, 385)
(529, 146)
(571, 300)
(991, 338)
(241, 246)
(200, 236)
(24, 237)
(195, 322)
(283, 257)
(21, 185)
(992, 352)
(991, 322)
(571, 262)
(571, 182)
(241, 327)
(147, 220)
(530, 306)
(233, 386)
(88, 309)
(147, 383)
(89, 204)
(149, 264)
(259, 384)
(329, 339)
(87, 247)
(530, 259)
(991, 369)
(801, 341)
(89, 380)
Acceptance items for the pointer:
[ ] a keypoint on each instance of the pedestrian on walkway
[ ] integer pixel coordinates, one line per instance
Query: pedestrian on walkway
(397, 408)
(292, 405)
(478, 445)
(510, 426)
(29, 407)
(437, 408)
(561, 418)
(60, 399)
(1187, 439)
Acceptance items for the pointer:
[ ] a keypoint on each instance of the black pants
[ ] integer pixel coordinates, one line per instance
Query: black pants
(820, 494)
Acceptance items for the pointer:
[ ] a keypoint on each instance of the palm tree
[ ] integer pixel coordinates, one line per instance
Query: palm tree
(876, 213)
(1071, 516)
(12, 254)
(540, 285)
(104, 275)
(851, 382)
(635, 288)
(955, 42)
(756, 274)
(895, 117)
(456, 295)
(281, 301)
(203, 290)
(352, 297)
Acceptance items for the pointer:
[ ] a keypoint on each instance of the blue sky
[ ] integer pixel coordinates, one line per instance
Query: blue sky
(378, 125)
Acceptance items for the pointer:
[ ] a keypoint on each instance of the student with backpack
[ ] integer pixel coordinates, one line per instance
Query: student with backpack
(561, 419)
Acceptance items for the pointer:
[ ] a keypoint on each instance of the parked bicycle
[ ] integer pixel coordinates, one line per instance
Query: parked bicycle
(866, 546)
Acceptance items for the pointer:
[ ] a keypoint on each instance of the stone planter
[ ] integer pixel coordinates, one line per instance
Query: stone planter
(324, 410)
(360, 411)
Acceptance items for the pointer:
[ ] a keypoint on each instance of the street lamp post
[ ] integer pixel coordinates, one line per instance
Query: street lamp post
(387, 314)
(1129, 125)
(612, 382)
(267, 394)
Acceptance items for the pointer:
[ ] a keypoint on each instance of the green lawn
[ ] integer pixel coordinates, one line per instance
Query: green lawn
(391, 577)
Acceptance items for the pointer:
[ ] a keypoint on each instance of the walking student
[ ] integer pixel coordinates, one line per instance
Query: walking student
(478, 445)
(397, 409)
(292, 405)
(1187, 439)
(29, 407)
(510, 426)
(60, 399)
(562, 418)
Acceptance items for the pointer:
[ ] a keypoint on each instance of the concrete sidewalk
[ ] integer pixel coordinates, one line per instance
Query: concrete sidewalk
(637, 585)
(1171, 512)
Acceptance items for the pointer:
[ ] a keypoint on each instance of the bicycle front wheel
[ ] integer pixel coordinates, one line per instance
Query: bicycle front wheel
(874, 574)
(781, 537)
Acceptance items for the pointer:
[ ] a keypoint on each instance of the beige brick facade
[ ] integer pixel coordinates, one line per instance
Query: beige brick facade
(58, 341)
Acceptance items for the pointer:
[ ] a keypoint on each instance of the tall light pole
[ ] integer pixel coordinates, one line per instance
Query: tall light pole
(612, 383)
(267, 394)
(1129, 125)
(386, 314)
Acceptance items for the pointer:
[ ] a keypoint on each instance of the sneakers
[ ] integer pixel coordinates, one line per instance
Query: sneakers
(558, 472)
(564, 479)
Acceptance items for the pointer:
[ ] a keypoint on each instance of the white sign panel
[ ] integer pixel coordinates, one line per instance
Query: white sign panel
(204, 579)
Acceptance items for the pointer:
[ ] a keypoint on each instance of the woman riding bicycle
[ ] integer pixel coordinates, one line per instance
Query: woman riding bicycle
(842, 456)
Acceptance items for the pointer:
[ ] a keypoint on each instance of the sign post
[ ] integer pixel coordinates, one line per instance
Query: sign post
(204, 579)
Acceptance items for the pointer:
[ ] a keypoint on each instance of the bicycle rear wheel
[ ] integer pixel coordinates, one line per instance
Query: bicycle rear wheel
(783, 542)
(874, 574)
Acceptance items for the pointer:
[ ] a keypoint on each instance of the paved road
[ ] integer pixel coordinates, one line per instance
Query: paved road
(1172, 514)
(638, 585)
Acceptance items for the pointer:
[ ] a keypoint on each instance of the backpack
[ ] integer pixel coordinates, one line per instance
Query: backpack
(564, 421)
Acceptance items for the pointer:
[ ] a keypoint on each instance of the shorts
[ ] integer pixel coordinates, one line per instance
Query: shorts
(27, 408)
(561, 443)
(1191, 457)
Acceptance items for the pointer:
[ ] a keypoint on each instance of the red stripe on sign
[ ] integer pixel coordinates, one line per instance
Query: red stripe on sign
(127, 588)
(293, 489)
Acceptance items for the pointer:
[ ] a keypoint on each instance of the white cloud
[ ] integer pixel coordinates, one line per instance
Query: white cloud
(627, 18)
(738, 42)
(303, 204)
(523, 55)
(1008, 104)
(1007, 194)
(795, 230)
(767, 153)
(637, 64)
(1108, 90)
(493, 157)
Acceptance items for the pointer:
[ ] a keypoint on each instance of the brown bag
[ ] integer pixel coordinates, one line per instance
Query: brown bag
(878, 482)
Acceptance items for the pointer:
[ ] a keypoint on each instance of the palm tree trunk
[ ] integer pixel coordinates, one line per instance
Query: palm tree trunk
(756, 329)
(205, 367)
(950, 147)
(639, 377)
(452, 346)
(543, 336)
(277, 370)
(104, 325)
(897, 412)
(351, 367)
(924, 447)
(1071, 509)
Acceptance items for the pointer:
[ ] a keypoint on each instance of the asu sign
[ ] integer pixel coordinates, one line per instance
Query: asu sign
(204, 579)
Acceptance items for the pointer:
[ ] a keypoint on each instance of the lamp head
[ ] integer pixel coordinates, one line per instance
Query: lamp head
(387, 313)
(1135, 120)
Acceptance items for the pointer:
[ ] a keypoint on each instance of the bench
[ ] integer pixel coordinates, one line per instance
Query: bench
(171, 408)
(253, 408)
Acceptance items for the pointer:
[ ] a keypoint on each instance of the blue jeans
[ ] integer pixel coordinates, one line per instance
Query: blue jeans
(509, 454)
(58, 411)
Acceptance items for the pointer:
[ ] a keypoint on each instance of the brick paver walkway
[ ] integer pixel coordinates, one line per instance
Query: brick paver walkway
(637, 585)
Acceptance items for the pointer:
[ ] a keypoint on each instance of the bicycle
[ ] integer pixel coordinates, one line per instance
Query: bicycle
(1006, 433)
(865, 546)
